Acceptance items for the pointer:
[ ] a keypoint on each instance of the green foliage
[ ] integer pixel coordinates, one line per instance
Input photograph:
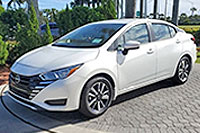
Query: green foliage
(190, 28)
(9, 20)
(108, 9)
(64, 21)
(198, 59)
(27, 37)
(70, 19)
(197, 36)
(3, 52)
(21, 30)
(1, 9)
(189, 20)
(33, 18)
(48, 38)
(50, 14)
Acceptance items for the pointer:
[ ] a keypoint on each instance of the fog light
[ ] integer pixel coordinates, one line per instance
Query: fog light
(59, 102)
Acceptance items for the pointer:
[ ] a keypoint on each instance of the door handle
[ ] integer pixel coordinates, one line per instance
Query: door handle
(150, 51)
(178, 41)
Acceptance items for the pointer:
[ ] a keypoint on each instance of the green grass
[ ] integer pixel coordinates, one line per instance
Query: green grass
(198, 59)
(190, 27)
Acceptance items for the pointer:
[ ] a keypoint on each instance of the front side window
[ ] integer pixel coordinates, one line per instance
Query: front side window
(161, 31)
(93, 35)
(137, 33)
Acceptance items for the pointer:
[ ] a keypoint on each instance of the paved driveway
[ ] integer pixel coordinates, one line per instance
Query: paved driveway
(161, 107)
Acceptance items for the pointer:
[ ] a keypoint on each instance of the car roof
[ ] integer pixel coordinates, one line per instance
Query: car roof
(131, 20)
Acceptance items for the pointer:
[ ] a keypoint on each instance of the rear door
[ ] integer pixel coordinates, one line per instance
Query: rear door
(168, 45)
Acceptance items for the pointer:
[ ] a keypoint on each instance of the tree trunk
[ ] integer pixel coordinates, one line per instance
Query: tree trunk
(141, 8)
(82, 2)
(35, 4)
(122, 8)
(130, 8)
(117, 7)
(155, 9)
(175, 12)
(98, 3)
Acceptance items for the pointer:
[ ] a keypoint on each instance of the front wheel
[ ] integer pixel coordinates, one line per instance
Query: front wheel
(96, 97)
(183, 71)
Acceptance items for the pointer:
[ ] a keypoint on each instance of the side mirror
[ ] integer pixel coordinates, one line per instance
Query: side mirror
(131, 45)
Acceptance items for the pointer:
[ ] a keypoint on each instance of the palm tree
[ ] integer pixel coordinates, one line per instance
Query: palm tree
(75, 3)
(98, 2)
(88, 2)
(15, 3)
(193, 9)
(93, 3)
(50, 14)
(130, 8)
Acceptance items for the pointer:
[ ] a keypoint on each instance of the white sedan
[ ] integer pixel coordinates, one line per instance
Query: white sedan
(92, 65)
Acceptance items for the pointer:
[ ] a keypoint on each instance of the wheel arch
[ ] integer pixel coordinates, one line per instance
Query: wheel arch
(187, 54)
(105, 75)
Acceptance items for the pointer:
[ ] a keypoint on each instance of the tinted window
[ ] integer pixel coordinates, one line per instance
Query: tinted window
(161, 31)
(93, 35)
(137, 33)
(172, 31)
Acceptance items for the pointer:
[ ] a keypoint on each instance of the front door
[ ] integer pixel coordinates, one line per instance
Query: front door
(138, 66)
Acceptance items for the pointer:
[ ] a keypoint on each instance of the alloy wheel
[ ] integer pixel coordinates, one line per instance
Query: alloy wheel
(98, 97)
(184, 70)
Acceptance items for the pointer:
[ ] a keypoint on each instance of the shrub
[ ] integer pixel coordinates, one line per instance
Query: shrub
(9, 20)
(48, 38)
(64, 21)
(27, 37)
(3, 52)
(197, 36)
(107, 9)
(70, 19)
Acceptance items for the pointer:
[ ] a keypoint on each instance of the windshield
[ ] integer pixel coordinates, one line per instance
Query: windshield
(93, 35)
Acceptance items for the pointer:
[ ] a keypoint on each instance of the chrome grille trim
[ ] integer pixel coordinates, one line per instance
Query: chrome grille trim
(32, 85)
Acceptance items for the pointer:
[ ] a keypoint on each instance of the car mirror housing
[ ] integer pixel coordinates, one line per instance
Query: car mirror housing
(130, 45)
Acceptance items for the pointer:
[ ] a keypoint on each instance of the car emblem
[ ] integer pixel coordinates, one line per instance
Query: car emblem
(17, 79)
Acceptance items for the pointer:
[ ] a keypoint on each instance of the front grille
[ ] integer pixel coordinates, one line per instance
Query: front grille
(26, 86)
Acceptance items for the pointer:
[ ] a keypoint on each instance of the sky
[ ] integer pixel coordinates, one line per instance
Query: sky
(185, 5)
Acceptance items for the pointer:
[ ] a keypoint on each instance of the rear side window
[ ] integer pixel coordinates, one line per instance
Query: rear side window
(161, 31)
(137, 33)
(172, 31)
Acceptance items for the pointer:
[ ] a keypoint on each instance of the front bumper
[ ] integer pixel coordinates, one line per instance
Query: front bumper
(69, 89)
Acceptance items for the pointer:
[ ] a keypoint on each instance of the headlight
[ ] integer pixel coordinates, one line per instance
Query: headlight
(59, 74)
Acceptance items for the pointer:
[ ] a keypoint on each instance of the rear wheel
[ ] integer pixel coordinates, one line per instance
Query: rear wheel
(96, 97)
(183, 71)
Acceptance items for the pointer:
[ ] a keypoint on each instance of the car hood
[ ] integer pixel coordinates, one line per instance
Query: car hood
(49, 58)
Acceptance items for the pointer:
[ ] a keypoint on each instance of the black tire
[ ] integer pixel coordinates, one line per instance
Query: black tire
(94, 101)
(182, 71)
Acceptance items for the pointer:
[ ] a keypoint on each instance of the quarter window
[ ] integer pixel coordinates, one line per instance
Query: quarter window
(161, 31)
(137, 33)
(172, 31)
